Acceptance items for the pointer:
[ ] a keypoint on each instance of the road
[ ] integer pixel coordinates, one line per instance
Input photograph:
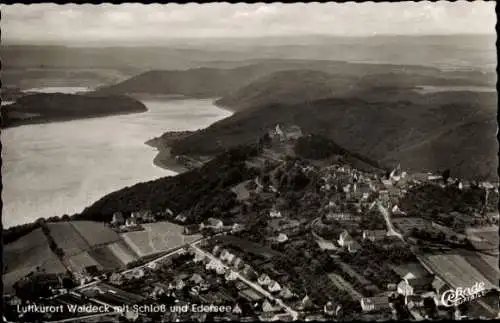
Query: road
(387, 216)
(255, 286)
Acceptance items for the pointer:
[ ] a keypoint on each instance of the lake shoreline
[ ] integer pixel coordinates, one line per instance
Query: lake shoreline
(68, 119)
(164, 158)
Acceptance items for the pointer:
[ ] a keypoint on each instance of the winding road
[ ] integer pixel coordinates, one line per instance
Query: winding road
(391, 232)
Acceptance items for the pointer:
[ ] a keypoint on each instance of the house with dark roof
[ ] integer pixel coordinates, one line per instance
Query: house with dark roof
(415, 286)
(118, 219)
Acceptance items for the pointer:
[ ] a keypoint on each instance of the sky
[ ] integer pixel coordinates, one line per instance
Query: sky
(128, 23)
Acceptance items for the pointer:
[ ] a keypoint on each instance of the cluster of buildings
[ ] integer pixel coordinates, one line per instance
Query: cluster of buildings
(132, 222)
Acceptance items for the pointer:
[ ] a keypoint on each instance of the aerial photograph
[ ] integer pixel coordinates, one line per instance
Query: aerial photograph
(249, 162)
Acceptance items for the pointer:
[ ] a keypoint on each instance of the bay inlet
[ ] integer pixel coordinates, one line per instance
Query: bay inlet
(60, 168)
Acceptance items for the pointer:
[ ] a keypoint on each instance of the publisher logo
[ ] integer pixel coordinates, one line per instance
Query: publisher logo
(454, 297)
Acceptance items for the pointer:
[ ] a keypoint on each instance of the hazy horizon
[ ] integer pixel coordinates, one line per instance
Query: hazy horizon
(109, 25)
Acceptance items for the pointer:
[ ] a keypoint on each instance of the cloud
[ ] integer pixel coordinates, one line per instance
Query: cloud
(50, 23)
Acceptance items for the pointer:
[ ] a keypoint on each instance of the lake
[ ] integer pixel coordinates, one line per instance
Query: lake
(60, 168)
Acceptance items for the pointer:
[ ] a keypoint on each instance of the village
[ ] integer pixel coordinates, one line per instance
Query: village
(350, 248)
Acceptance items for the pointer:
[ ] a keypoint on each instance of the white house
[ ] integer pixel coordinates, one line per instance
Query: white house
(274, 287)
(397, 211)
(212, 223)
(180, 284)
(387, 182)
(344, 239)
(169, 212)
(220, 270)
(275, 213)
(181, 218)
(223, 254)
(282, 238)
(138, 273)
(264, 280)
(306, 303)
(118, 218)
(131, 222)
(415, 286)
(216, 251)
(196, 278)
(267, 307)
(238, 263)
(353, 246)
(230, 257)
(231, 275)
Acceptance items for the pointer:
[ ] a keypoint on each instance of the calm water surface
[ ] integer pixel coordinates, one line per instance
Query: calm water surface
(57, 168)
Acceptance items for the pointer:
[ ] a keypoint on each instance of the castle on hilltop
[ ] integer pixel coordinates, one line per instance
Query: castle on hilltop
(285, 133)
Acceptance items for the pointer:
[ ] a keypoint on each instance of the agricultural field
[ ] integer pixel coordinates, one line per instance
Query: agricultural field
(455, 270)
(485, 238)
(485, 264)
(157, 237)
(77, 262)
(24, 256)
(122, 251)
(105, 258)
(67, 238)
(95, 233)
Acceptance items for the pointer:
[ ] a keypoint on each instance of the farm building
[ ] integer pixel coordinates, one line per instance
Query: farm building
(268, 307)
(375, 304)
(275, 213)
(374, 235)
(212, 223)
(118, 218)
(415, 286)
(353, 246)
(344, 239)
(410, 270)
(264, 280)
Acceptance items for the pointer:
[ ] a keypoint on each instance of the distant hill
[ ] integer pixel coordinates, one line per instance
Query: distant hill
(386, 121)
(50, 107)
(199, 82)
(291, 86)
(251, 84)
